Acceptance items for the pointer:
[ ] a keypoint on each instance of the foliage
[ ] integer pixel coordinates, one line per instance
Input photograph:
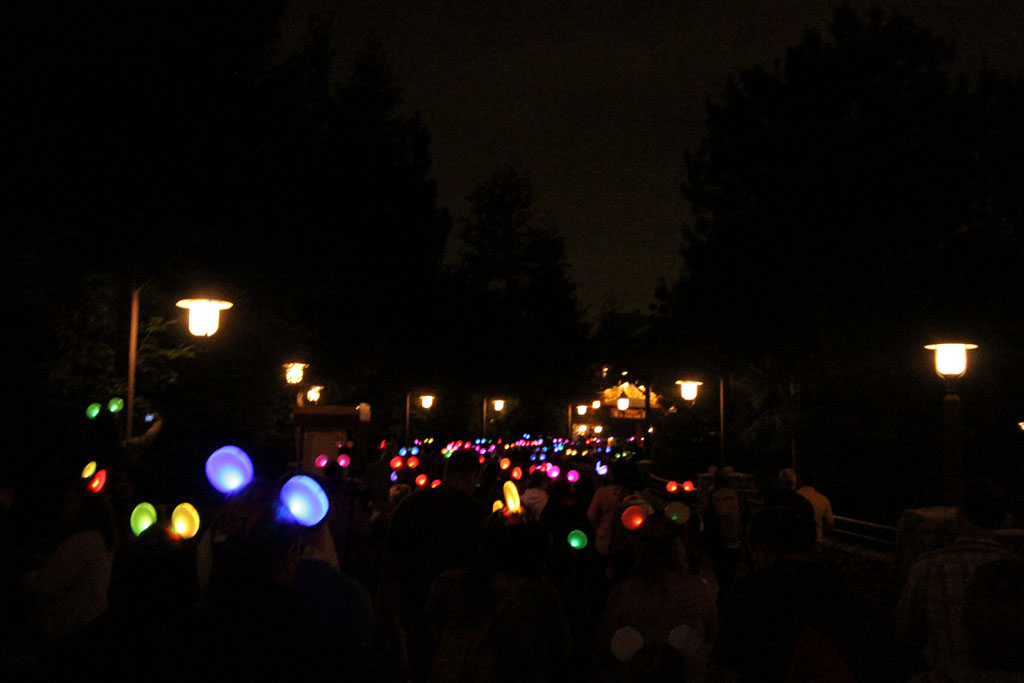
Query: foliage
(851, 205)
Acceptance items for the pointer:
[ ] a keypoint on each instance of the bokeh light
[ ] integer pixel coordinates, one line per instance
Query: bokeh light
(397, 463)
(572, 476)
(688, 486)
(185, 520)
(504, 463)
(677, 512)
(344, 460)
(517, 473)
(672, 486)
(89, 469)
(229, 469)
(413, 462)
(634, 516)
(143, 516)
(93, 410)
(577, 539)
(321, 461)
(98, 481)
(553, 472)
(305, 499)
(511, 496)
(434, 484)
(421, 480)
(115, 405)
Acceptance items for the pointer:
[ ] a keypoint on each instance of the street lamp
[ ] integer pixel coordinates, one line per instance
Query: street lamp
(294, 372)
(426, 401)
(951, 364)
(622, 402)
(688, 388)
(498, 404)
(203, 321)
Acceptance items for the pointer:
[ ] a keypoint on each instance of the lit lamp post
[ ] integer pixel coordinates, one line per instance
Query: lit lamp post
(689, 389)
(294, 372)
(203, 321)
(951, 364)
(499, 405)
(426, 401)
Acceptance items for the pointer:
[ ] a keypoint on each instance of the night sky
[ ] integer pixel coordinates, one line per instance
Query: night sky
(598, 101)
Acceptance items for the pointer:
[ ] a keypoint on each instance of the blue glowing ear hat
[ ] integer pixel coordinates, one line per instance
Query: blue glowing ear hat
(305, 500)
(229, 469)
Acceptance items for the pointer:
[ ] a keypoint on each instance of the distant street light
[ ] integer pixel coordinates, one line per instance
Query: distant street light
(688, 388)
(294, 372)
(622, 403)
(204, 315)
(426, 402)
(951, 364)
(498, 404)
(203, 321)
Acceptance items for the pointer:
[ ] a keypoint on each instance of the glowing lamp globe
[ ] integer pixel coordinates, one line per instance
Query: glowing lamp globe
(413, 462)
(98, 481)
(344, 460)
(634, 516)
(499, 405)
(622, 403)
(672, 486)
(93, 410)
(427, 401)
(688, 486)
(504, 463)
(89, 469)
(517, 472)
(434, 484)
(577, 539)
(498, 505)
(688, 389)
(305, 499)
(321, 461)
(229, 469)
(572, 476)
(600, 468)
(185, 520)
(204, 315)
(115, 405)
(397, 462)
(553, 472)
(950, 358)
(421, 480)
(581, 409)
(294, 372)
(677, 513)
(143, 516)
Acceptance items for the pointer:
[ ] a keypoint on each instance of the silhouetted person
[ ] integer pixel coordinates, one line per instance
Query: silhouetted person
(788, 616)
(431, 531)
(929, 615)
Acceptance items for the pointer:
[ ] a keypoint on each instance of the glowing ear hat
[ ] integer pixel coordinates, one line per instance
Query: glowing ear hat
(143, 517)
(305, 499)
(185, 520)
(677, 513)
(577, 539)
(634, 516)
(511, 497)
(229, 469)
(626, 642)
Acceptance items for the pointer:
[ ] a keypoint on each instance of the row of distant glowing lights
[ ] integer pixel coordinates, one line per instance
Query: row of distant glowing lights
(229, 470)
(632, 518)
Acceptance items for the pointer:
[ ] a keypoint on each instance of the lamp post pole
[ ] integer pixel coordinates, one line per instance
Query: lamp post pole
(951, 364)
(133, 345)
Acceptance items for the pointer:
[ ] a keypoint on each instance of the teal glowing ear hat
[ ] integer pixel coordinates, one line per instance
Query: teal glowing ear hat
(229, 469)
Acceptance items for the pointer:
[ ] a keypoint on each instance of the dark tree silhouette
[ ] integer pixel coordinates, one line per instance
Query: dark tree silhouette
(851, 205)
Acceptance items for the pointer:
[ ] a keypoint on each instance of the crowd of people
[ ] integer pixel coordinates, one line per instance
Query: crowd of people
(603, 578)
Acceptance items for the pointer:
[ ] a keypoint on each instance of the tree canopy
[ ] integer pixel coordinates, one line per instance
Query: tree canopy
(852, 204)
